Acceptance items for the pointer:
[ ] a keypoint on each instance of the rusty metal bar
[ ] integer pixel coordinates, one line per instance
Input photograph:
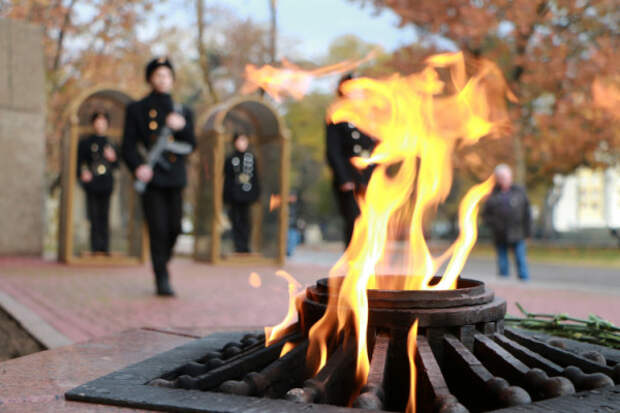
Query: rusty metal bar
(213, 359)
(504, 364)
(558, 355)
(480, 380)
(527, 356)
(372, 395)
(433, 392)
(235, 367)
(335, 382)
(275, 379)
(580, 380)
(232, 350)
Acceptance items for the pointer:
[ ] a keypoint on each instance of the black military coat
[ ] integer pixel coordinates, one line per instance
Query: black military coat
(90, 156)
(241, 183)
(345, 141)
(508, 215)
(143, 121)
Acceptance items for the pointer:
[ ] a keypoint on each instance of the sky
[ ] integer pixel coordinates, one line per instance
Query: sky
(313, 25)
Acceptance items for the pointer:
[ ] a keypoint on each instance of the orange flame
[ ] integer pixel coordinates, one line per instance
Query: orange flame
(411, 349)
(254, 280)
(276, 332)
(418, 120)
(288, 346)
(275, 201)
(290, 79)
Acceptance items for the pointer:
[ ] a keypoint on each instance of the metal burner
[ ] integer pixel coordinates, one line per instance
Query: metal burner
(466, 361)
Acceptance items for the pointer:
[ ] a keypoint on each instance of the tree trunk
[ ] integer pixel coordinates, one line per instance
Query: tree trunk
(202, 52)
(273, 30)
(520, 168)
(552, 197)
(523, 40)
(61, 36)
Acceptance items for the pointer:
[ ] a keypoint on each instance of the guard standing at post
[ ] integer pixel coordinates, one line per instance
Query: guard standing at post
(162, 200)
(241, 190)
(345, 141)
(96, 161)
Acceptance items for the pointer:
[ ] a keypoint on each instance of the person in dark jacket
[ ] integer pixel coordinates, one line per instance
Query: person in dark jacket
(241, 190)
(162, 200)
(343, 142)
(95, 165)
(295, 223)
(507, 213)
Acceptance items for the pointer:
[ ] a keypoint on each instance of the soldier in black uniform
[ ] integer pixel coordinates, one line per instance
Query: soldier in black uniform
(241, 190)
(96, 162)
(345, 141)
(162, 201)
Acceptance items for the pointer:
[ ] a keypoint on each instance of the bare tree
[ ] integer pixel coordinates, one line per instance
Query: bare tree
(202, 51)
(273, 8)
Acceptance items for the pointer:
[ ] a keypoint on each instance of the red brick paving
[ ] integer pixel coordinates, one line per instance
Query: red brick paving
(87, 302)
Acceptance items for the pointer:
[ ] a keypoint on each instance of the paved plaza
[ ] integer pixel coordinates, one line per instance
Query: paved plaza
(86, 302)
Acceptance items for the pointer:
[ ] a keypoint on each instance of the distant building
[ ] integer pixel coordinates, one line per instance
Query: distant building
(588, 199)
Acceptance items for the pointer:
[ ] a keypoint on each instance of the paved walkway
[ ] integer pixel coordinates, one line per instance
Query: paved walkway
(83, 302)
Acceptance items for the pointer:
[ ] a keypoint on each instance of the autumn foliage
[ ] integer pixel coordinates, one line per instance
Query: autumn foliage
(97, 45)
(553, 52)
(560, 58)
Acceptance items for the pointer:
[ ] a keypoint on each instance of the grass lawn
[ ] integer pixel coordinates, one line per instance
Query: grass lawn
(604, 257)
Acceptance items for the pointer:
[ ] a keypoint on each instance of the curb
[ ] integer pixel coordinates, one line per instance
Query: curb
(40, 330)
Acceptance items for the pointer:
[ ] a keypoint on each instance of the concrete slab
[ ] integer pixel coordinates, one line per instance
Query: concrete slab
(5, 50)
(37, 383)
(22, 138)
(27, 75)
(22, 161)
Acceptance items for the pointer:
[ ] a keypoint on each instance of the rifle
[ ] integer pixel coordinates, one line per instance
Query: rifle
(163, 144)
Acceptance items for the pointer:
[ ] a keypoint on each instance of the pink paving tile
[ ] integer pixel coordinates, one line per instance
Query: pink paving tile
(88, 302)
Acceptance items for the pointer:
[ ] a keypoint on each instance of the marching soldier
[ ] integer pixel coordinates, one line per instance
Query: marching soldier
(162, 200)
(345, 141)
(96, 162)
(241, 190)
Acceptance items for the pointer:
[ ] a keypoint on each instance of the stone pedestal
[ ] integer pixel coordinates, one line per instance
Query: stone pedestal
(22, 139)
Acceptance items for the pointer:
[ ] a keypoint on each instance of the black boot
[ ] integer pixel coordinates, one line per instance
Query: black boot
(162, 283)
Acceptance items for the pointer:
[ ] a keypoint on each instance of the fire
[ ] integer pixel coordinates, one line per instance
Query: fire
(468, 211)
(275, 201)
(411, 349)
(419, 121)
(254, 280)
(290, 79)
(276, 332)
(288, 346)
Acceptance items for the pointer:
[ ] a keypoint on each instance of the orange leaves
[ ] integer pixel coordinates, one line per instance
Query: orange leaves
(606, 95)
(83, 49)
(554, 49)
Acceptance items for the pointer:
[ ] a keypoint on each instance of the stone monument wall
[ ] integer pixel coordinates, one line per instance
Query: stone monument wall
(22, 139)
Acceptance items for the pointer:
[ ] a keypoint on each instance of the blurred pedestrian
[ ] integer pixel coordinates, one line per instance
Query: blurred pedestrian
(162, 200)
(344, 142)
(507, 213)
(241, 190)
(96, 161)
(295, 225)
